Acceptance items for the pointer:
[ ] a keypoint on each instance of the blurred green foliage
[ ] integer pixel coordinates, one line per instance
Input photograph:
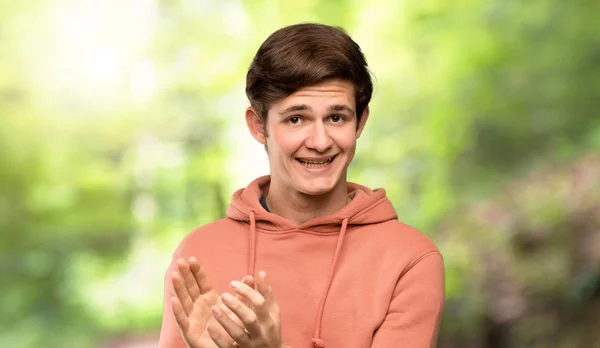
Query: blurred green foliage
(118, 136)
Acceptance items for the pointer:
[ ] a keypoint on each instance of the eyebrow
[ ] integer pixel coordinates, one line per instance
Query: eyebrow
(303, 107)
(340, 107)
(293, 108)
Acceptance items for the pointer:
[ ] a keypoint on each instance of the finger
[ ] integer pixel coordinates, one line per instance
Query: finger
(220, 339)
(189, 280)
(263, 287)
(182, 293)
(262, 284)
(248, 280)
(180, 314)
(200, 277)
(255, 299)
(247, 316)
(235, 331)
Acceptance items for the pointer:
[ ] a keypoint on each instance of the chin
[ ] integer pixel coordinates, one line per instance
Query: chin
(317, 187)
(315, 191)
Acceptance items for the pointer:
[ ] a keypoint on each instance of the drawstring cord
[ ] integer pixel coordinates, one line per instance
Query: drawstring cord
(316, 341)
(252, 251)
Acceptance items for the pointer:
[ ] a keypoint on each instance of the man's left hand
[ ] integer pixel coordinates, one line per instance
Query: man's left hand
(260, 317)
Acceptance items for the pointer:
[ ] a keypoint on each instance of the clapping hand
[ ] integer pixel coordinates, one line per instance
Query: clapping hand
(191, 306)
(255, 320)
(250, 319)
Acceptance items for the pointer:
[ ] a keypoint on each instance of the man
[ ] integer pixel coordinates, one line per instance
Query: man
(342, 270)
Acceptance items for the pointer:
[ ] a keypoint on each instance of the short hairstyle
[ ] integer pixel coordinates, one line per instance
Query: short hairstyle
(303, 55)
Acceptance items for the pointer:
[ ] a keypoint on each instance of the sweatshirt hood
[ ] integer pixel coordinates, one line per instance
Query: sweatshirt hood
(366, 207)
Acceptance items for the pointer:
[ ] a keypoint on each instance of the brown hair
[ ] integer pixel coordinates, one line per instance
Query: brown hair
(303, 55)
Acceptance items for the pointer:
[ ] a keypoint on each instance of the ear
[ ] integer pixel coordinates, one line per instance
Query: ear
(363, 121)
(255, 125)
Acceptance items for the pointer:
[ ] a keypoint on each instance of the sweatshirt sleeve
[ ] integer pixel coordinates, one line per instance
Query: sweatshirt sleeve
(415, 310)
(170, 336)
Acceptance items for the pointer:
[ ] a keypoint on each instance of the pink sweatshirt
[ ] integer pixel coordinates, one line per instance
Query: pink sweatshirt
(358, 278)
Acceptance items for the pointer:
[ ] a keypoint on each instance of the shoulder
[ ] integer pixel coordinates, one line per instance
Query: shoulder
(397, 232)
(416, 254)
(400, 242)
(213, 233)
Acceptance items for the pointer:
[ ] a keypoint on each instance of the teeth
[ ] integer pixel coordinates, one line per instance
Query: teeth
(312, 164)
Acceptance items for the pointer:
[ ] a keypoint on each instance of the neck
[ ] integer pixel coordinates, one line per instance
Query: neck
(299, 208)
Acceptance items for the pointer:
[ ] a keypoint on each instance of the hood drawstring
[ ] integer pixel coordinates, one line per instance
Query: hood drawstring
(252, 251)
(316, 341)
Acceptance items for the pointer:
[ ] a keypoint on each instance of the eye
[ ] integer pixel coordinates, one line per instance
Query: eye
(336, 118)
(294, 120)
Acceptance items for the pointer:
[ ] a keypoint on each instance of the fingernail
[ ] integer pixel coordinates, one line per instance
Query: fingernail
(216, 311)
(235, 284)
(262, 274)
(227, 297)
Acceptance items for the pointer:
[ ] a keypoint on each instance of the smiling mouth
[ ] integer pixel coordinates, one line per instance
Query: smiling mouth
(316, 164)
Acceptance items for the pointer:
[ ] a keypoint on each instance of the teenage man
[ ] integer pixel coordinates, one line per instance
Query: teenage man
(342, 270)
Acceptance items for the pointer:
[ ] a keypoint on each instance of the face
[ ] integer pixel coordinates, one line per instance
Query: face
(312, 137)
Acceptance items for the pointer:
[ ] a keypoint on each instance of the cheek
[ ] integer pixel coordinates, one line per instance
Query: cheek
(346, 141)
(287, 143)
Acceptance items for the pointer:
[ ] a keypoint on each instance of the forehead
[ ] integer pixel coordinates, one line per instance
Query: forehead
(324, 94)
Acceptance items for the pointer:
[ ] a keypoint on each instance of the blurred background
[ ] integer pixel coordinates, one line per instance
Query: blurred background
(121, 130)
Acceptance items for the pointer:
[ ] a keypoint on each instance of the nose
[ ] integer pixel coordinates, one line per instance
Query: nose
(319, 139)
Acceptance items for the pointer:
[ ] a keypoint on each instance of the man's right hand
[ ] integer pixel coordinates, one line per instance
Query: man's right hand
(191, 307)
